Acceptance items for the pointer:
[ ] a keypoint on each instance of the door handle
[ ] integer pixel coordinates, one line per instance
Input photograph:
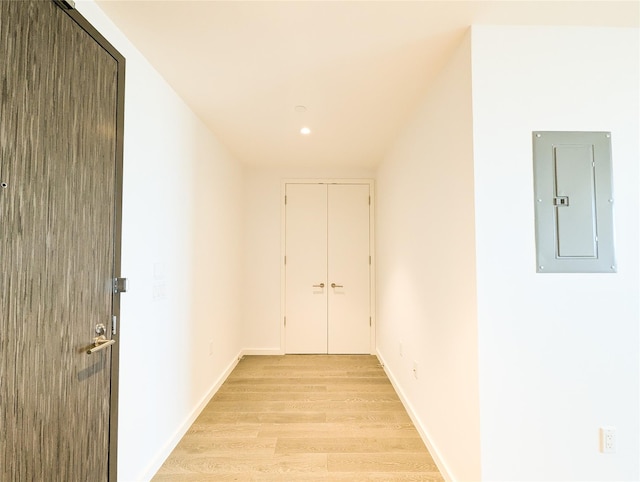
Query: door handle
(321, 285)
(333, 285)
(100, 343)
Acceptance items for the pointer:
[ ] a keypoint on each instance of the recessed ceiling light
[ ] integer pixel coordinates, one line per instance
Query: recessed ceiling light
(300, 108)
(305, 131)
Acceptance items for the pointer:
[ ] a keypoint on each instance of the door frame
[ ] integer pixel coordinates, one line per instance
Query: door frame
(372, 277)
(68, 7)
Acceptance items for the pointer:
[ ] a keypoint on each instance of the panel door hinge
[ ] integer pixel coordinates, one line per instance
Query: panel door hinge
(285, 200)
(369, 260)
(285, 321)
(285, 260)
(119, 285)
(66, 4)
(369, 200)
(369, 321)
(114, 325)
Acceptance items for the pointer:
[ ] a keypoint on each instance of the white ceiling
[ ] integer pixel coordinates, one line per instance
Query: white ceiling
(359, 67)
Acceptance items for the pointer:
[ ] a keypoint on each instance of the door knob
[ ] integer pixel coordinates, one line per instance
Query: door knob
(100, 343)
(321, 285)
(333, 285)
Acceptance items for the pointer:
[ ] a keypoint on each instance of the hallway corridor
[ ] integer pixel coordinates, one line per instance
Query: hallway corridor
(303, 417)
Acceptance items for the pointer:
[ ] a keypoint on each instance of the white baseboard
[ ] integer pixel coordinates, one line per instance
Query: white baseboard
(435, 454)
(164, 453)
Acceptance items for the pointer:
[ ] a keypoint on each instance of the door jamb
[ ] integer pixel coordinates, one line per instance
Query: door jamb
(372, 278)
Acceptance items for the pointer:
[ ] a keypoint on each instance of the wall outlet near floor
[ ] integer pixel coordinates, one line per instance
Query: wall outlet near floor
(608, 442)
(415, 370)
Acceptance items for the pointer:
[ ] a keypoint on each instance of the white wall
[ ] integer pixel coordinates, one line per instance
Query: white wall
(426, 269)
(262, 249)
(182, 252)
(558, 352)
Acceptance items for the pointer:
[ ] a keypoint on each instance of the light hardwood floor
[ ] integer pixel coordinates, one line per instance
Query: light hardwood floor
(302, 417)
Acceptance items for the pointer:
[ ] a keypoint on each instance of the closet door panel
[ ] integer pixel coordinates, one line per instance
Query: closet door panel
(306, 268)
(348, 268)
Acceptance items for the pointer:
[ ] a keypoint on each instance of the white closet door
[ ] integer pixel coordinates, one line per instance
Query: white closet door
(306, 268)
(349, 269)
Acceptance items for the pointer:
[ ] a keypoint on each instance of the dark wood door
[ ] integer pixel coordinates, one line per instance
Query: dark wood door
(58, 108)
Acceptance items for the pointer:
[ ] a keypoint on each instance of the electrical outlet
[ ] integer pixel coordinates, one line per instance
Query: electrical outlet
(415, 370)
(608, 443)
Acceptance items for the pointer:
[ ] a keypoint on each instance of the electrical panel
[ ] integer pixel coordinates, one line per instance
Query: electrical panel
(573, 202)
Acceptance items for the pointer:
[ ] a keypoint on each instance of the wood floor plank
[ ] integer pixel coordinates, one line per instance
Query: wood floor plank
(314, 379)
(333, 396)
(225, 416)
(224, 430)
(371, 416)
(302, 417)
(275, 387)
(307, 406)
(315, 476)
(329, 430)
(391, 462)
(242, 465)
(349, 444)
(204, 444)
